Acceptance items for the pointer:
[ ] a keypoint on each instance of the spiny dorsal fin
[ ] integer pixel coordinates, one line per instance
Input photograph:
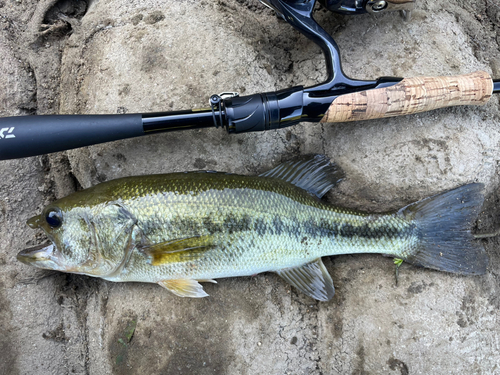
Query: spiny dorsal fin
(177, 250)
(312, 279)
(313, 173)
(185, 288)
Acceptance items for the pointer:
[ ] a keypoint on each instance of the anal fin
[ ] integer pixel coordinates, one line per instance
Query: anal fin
(312, 279)
(185, 287)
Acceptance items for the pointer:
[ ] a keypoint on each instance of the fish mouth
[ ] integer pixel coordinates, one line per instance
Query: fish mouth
(39, 256)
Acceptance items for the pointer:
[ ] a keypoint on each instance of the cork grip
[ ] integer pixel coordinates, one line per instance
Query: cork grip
(412, 95)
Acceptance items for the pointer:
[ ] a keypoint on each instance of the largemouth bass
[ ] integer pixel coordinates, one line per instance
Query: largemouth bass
(181, 229)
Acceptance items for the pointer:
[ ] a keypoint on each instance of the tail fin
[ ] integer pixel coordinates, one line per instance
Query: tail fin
(443, 223)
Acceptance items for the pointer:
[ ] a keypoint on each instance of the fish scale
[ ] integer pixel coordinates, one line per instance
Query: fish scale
(259, 248)
(182, 228)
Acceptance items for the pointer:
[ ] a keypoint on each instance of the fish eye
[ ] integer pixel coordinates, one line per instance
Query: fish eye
(53, 217)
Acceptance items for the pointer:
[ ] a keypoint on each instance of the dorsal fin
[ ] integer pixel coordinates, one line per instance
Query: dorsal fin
(313, 173)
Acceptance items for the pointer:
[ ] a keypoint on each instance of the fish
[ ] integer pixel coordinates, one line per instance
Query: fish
(182, 229)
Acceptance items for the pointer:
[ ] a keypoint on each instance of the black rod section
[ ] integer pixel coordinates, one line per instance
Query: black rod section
(178, 120)
(25, 136)
(496, 86)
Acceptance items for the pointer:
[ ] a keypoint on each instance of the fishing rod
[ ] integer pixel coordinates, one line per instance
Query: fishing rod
(338, 99)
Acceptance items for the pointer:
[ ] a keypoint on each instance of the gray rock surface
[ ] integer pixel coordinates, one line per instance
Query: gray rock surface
(135, 56)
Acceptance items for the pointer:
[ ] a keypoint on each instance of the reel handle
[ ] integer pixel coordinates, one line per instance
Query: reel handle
(370, 6)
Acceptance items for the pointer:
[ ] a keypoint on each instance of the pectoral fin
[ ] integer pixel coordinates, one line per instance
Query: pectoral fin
(185, 288)
(178, 250)
(312, 279)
